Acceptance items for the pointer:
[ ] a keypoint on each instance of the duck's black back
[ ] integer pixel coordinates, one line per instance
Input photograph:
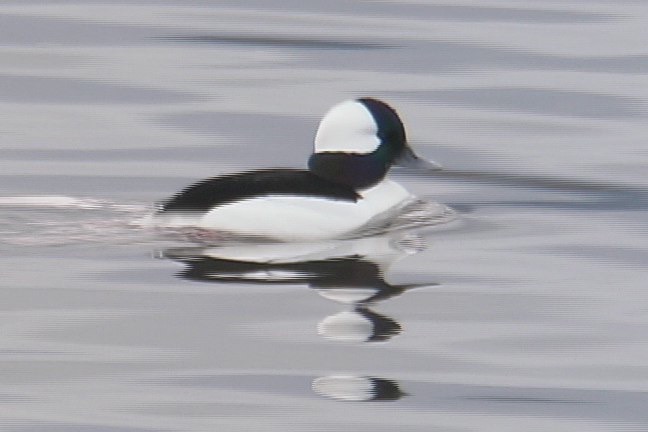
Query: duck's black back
(226, 189)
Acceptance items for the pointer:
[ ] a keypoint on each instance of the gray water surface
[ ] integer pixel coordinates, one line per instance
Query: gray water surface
(529, 313)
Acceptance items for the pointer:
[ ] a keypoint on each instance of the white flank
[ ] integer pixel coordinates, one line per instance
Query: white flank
(303, 218)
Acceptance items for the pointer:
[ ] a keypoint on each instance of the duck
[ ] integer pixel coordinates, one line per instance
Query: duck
(344, 187)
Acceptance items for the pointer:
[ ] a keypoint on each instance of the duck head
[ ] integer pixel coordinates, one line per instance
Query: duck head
(357, 142)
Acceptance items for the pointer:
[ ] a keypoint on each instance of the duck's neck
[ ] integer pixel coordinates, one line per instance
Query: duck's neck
(358, 171)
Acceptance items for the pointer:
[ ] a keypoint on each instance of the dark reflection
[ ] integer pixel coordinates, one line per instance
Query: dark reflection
(538, 182)
(474, 13)
(348, 272)
(27, 30)
(359, 325)
(149, 154)
(537, 101)
(335, 272)
(591, 405)
(424, 56)
(350, 280)
(357, 388)
(31, 89)
(340, 271)
(526, 400)
(585, 194)
(274, 41)
(427, 56)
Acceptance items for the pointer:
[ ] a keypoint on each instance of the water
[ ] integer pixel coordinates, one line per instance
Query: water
(527, 314)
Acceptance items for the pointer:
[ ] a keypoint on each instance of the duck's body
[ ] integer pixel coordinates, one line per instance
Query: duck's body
(299, 215)
(343, 189)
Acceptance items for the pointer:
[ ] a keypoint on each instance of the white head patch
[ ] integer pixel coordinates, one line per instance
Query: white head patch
(347, 127)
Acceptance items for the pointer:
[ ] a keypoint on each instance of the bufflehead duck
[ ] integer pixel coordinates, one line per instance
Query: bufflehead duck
(343, 189)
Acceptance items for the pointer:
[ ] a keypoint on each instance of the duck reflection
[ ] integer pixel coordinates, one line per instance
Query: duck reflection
(357, 388)
(348, 272)
(358, 325)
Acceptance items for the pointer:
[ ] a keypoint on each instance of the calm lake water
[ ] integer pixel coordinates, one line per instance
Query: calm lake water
(529, 313)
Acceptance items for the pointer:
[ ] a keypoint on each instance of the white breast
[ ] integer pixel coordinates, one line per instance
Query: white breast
(303, 218)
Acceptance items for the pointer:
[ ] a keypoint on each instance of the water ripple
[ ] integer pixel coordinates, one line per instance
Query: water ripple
(44, 89)
(275, 42)
(540, 101)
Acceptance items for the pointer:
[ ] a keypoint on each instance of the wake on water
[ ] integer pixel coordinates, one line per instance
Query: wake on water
(61, 220)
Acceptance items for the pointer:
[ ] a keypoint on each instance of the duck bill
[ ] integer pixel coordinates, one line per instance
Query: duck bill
(409, 159)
